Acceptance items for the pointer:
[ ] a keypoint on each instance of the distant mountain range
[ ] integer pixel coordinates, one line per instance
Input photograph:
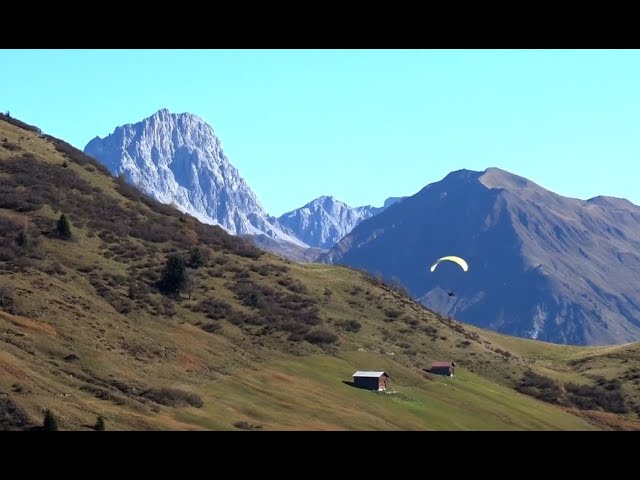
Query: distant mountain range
(541, 265)
(324, 221)
(178, 159)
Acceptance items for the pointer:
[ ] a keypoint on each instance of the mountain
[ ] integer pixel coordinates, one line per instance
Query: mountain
(390, 201)
(178, 159)
(286, 249)
(541, 265)
(252, 341)
(324, 221)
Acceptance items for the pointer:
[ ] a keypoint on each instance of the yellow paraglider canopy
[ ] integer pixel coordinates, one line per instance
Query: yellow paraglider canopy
(457, 260)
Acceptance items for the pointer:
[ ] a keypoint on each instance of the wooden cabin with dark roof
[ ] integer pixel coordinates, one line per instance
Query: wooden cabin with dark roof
(371, 380)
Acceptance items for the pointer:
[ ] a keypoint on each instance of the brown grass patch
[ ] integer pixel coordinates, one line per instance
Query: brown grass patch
(605, 420)
(189, 362)
(28, 323)
(12, 370)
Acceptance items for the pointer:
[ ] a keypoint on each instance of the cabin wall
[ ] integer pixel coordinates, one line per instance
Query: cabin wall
(370, 383)
(442, 370)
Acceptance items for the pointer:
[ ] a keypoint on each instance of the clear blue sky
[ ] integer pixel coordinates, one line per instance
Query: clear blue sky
(359, 125)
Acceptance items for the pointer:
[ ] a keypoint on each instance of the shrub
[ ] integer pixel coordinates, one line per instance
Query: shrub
(295, 337)
(357, 290)
(173, 397)
(63, 228)
(7, 254)
(18, 388)
(12, 415)
(539, 386)
(411, 321)
(20, 124)
(133, 290)
(264, 270)
(392, 313)
(12, 147)
(242, 425)
(321, 336)
(7, 297)
(292, 285)
(242, 274)
(350, 325)
(503, 353)
(100, 424)
(221, 259)
(198, 257)
(214, 309)
(397, 285)
(168, 307)
(123, 306)
(211, 327)
(75, 155)
(248, 250)
(430, 330)
(608, 396)
(294, 327)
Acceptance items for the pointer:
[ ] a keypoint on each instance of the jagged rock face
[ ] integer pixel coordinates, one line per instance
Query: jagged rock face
(178, 159)
(541, 265)
(324, 221)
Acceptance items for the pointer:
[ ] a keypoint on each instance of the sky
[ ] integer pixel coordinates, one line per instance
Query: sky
(361, 125)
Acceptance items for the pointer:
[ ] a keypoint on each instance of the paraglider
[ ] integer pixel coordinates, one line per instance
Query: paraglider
(460, 261)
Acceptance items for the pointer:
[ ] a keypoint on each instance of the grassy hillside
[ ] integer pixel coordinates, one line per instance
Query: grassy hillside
(253, 341)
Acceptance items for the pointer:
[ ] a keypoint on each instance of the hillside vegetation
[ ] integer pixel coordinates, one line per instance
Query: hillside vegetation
(96, 324)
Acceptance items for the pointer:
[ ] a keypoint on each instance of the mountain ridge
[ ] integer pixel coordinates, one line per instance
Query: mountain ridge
(178, 158)
(322, 222)
(570, 262)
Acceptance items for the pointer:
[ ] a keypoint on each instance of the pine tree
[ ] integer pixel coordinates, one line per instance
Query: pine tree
(63, 227)
(197, 257)
(100, 425)
(22, 239)
(133, 289)
(50, 423)
(174, 275)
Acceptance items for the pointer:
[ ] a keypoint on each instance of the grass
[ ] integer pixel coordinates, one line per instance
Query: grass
(310, 393)
(256, 366)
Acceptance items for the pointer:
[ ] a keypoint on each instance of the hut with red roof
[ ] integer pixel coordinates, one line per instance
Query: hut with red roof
(443, 368)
